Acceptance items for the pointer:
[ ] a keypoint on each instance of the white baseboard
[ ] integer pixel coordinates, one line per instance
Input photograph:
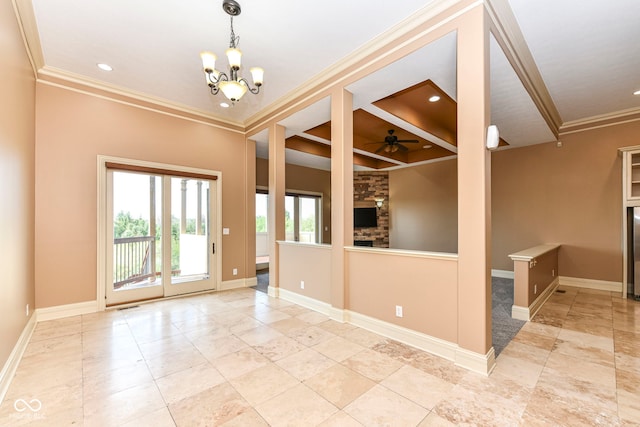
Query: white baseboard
(11, 365)
(251, 281)
(479, 363)
(334, 313)
(305, 301)
(442, 348)
(527, 313)
(503, 274)
(520, 313)
(67, 310)
(273, 291)
(235, 284)
(602, 285)
(476, 362)
(338, 314)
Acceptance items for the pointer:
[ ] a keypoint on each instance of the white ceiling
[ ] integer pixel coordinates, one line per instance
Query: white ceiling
(585, 50)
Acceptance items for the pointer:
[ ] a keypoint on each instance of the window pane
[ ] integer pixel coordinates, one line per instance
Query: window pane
(308, 224)
(289, 214)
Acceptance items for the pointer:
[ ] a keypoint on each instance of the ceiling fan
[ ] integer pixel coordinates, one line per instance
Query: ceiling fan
(391, 143)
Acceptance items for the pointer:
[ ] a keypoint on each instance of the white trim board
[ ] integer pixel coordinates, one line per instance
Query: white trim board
(236, 284)
(305, 301)
(503, 274)
(603, 285)
(479, 363)
(11, 365)
(527, 313)
(67, 310)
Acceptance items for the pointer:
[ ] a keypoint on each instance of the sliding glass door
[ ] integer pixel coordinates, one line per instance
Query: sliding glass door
(159, 237)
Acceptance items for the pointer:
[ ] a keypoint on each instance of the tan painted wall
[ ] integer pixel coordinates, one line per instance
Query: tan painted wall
(17, 141)
(570, 195)
(423, 203)
(72, 129)
(542, 274)
(426, 288)
(308, 263)
(303, 179)
(540, 194)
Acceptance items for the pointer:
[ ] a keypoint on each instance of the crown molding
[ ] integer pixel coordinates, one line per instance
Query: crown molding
(376, 54)
(28, 27)
(507, 33)
(599, 121)
(55, 76)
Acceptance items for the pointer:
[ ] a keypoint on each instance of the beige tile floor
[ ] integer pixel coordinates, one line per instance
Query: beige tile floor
(240, 358)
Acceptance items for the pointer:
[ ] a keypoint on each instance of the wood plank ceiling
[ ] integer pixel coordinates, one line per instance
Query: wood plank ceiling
(411, 105)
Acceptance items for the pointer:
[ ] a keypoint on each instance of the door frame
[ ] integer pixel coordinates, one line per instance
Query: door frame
(101, 261)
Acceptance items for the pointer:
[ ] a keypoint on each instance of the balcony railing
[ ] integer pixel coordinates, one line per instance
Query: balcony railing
(133, 260)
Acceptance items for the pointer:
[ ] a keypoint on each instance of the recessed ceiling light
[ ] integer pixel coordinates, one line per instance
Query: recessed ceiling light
(105, 67)
(636, 92)
(224, 105)
(426, 146)
(434, 98)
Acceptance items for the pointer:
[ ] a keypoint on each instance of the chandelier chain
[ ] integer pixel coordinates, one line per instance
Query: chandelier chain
(235, 40)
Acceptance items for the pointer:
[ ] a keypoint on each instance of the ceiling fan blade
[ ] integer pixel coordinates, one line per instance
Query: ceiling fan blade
(377, 142)
(402, 147)
(410, 141)
(382, 147)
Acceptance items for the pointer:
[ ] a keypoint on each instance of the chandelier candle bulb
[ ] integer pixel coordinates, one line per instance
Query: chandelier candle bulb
(208, 61)
(234, 55)
(257, 74)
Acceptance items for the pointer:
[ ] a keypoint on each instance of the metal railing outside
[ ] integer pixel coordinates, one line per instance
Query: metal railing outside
(132, 260)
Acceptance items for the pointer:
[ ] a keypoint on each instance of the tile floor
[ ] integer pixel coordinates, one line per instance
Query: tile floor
(240, 358)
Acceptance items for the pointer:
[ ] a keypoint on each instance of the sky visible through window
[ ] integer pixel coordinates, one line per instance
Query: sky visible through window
(131, 194)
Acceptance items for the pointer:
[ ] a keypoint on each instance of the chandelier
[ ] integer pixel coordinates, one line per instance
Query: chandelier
(231, 85)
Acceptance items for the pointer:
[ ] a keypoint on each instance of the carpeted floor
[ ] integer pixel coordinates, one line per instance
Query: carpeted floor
(263, 281)
(503, 327)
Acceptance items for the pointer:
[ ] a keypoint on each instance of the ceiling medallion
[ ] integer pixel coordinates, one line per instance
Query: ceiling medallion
(232, 85)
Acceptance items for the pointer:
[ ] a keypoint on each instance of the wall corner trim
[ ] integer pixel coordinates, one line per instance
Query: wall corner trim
(520, 313)
(476, 362)
(527, 313)
(11, 365)
(67, 310)
(273, 291)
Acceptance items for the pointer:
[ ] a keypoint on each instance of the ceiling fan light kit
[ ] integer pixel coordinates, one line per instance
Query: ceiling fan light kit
(232, 85)
(392, 144)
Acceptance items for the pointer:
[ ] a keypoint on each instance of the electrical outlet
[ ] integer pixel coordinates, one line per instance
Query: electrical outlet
(398, 311)
(235, 271)
(301, 284)
(535, 289)
(27, 310)
(553, 272)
